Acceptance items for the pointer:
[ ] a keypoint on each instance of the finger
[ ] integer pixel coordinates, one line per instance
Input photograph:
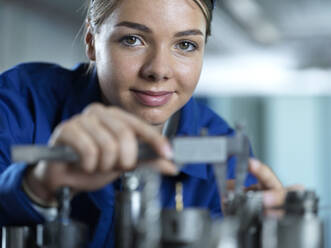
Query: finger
(274, 198)
(41, 181)
(80, 181)
(104, 139)
(126, 140)
(54, 175)
(264, 174)
(164, 166)
(147, 133)
(74, 136)
(111, 118)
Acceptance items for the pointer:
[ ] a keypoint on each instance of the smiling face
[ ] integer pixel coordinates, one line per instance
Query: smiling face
(148, 55)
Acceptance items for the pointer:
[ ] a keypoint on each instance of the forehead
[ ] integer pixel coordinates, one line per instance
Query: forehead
(160, 14)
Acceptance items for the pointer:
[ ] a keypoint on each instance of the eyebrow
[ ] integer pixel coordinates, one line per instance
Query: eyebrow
(145, 29)
(189, 32)
(134, 25)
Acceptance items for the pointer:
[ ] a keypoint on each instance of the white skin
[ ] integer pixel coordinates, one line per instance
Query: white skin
(161, 51)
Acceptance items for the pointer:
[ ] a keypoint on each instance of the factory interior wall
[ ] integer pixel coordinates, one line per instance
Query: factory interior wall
(29, 37)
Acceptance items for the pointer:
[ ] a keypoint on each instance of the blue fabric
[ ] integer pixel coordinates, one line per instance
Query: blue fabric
(36, 97)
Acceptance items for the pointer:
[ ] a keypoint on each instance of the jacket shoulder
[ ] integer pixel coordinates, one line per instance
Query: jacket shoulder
(37, 74)
(42, 78)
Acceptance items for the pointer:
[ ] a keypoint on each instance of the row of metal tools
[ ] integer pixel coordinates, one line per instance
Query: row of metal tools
(141, 223)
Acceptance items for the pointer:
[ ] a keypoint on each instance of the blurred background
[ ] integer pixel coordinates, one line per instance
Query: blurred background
(267, 65)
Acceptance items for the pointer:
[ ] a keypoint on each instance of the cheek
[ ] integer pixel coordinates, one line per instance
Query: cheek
(124, 66)
(190, 74)
(117, 71)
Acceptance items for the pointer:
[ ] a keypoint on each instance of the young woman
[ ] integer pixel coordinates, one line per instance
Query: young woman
(145, 61)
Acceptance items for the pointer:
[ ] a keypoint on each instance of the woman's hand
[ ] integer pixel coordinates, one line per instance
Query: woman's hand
(106, 140)
(273, 191)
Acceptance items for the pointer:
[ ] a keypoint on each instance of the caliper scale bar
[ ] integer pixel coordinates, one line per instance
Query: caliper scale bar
(211, 149)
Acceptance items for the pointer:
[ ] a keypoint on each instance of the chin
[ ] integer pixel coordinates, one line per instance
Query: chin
(154, 117)
(155, 121)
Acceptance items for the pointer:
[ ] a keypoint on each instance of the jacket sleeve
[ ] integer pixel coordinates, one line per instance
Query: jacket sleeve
(15, 207)
(16, 127)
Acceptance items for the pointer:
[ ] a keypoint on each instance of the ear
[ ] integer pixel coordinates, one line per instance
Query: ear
(89, 43)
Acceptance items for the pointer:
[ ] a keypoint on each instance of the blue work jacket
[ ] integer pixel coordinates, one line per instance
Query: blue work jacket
(36, 97)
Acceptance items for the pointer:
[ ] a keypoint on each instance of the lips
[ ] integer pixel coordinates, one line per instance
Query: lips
(153, 98)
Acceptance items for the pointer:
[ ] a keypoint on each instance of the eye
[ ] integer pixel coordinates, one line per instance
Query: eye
(131, 40)
(187, 46)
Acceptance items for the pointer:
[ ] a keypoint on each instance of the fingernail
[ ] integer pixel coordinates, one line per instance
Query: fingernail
(255, 164)
(167, 151)
(268, 199)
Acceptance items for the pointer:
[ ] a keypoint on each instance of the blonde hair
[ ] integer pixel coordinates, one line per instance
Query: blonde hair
(99, 10)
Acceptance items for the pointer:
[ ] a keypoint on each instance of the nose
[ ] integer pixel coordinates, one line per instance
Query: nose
(158, 65)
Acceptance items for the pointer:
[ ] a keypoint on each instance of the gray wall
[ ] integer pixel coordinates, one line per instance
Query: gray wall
(30, 34)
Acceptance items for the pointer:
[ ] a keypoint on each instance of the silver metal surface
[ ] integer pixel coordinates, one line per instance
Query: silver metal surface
(127, 210)
(19, 237)
(186, 150)
(33, 154)
(187, 228)
(148, 228)
(225, 233)
(294, 231)
(199, 149)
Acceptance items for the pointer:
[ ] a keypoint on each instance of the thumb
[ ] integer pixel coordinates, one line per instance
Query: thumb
(266, 177)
